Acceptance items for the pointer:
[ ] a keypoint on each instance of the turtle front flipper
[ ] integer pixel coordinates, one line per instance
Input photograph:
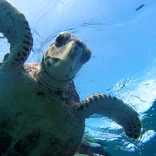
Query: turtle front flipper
(114, 109)
(15, 28)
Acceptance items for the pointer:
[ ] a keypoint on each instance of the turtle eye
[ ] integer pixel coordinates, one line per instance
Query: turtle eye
(85, 56)
(60, 39)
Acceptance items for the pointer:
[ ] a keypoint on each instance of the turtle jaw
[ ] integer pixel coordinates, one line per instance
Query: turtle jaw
(61, 63)
(67, 64)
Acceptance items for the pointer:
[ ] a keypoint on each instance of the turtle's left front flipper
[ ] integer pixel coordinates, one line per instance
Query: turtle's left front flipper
(114, 109)
(15, 28)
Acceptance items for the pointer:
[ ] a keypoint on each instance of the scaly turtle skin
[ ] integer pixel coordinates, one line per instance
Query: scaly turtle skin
(40, 110)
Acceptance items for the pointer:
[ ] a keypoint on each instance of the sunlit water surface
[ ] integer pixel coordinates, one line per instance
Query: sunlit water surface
(122, 37)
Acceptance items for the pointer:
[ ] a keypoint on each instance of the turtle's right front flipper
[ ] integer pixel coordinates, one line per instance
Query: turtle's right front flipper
(114, 109)
(15, 28)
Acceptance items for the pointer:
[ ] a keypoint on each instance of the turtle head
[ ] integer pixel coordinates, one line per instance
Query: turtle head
(64, 58)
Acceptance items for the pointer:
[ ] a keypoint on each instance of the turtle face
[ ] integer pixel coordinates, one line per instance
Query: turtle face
(65, 57)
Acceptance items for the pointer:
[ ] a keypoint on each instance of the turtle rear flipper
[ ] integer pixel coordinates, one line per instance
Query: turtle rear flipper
(15, 28)
(114, 109)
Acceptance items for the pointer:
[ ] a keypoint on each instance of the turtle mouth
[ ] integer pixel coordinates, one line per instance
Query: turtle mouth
(64, 63)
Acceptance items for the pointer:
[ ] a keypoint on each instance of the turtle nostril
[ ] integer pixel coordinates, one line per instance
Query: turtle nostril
(79, 43)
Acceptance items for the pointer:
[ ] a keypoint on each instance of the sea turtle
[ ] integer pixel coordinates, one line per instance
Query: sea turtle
(40, 110)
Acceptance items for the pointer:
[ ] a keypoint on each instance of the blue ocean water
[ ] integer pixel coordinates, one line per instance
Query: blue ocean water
(122, 37)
